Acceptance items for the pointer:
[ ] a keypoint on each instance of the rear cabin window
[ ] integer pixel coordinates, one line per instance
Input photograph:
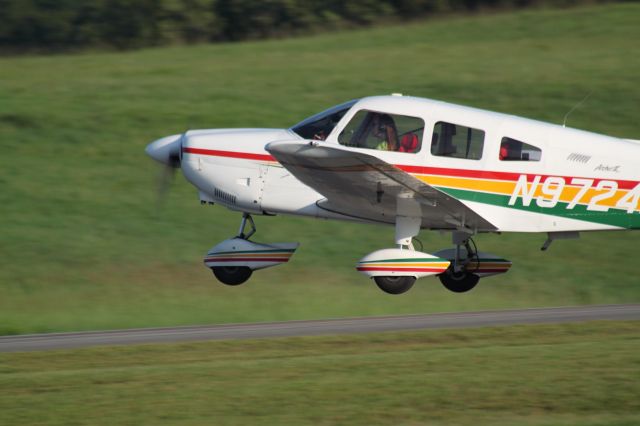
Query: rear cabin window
(456, 141)
(381, 131)
(515, 150)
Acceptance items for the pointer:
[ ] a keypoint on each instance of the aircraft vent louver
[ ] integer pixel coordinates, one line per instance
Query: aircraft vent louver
(224, 196)
(579, 158)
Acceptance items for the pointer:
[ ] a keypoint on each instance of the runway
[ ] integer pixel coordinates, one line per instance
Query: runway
(52, 341)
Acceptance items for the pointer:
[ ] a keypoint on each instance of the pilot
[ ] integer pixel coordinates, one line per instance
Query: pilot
(384, 129)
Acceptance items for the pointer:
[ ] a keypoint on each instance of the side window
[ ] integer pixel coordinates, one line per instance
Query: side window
(456, 141)
(387, 132)
(514, 150)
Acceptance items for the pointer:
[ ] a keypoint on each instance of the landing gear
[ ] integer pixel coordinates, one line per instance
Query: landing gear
(234, 260)
(232, 275)
(459, 276)
(459, 268)
(395, 285)
(407, 226)
(458, 282)
(236, 275)
(395, 270)
(246, 217)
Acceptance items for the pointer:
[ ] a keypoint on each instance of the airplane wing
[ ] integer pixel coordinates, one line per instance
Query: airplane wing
(365, 187)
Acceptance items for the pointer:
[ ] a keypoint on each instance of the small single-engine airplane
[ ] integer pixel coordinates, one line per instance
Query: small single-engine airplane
(415, 164)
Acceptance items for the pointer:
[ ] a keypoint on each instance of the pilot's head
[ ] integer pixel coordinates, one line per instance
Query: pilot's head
(382, 122)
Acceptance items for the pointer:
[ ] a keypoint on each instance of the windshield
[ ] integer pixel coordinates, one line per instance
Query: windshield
(320, 125)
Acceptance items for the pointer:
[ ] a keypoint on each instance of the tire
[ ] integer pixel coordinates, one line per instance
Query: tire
(232, 275)
(459, 282)
(395, 285)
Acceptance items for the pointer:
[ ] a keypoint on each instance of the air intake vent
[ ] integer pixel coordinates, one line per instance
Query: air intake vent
(579, 158)
(224, 197)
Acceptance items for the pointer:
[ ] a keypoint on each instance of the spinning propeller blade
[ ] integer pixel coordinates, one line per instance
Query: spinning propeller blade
(168, 151)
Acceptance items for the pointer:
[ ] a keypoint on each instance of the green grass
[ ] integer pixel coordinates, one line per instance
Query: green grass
(84, 245)
(571, 374)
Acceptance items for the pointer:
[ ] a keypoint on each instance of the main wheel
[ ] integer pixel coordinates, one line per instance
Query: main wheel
(458, 282)
(394, 285)
(232, 275)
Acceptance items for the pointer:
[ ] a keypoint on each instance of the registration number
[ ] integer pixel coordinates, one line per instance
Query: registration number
(599, 196)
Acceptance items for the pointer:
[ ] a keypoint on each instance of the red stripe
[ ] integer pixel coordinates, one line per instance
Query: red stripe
(440, 171)
(230, 154)
(247, 259)
(362, 268)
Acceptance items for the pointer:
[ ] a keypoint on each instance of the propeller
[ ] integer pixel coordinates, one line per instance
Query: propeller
(168, 151)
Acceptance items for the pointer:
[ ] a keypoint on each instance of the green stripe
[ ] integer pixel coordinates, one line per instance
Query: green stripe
(613, 217)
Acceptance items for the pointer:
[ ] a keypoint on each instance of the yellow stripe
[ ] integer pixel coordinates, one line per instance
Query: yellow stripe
(497, 187)
(507, 187)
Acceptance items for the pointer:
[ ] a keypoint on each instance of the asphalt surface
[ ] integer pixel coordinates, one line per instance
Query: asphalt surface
(51, 341)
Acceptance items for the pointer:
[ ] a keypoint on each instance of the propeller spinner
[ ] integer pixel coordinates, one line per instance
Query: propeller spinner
(166, 150)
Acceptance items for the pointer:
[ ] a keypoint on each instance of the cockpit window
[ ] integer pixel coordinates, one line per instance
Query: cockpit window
(387, 132)
(320, 125)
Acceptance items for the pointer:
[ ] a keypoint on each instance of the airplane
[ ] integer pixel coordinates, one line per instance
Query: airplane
(412, 163)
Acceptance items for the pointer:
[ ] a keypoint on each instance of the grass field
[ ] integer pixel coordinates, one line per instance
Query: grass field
(84, 245)
(572, 374)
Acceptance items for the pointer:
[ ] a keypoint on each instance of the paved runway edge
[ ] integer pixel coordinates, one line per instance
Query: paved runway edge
(35, 342)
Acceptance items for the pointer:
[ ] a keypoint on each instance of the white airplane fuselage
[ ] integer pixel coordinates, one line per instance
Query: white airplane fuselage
(578, 180)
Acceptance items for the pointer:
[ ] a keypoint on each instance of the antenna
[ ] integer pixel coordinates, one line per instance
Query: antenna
(564, 121)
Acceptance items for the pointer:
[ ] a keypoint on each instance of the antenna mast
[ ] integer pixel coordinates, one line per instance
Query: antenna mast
(564, 121)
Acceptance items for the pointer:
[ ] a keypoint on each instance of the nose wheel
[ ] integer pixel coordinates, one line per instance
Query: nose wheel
(394, 285)
(236, 275)
(232, 275)
(233, 260)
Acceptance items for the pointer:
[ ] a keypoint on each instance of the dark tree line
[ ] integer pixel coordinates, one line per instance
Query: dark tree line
(62, 25)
